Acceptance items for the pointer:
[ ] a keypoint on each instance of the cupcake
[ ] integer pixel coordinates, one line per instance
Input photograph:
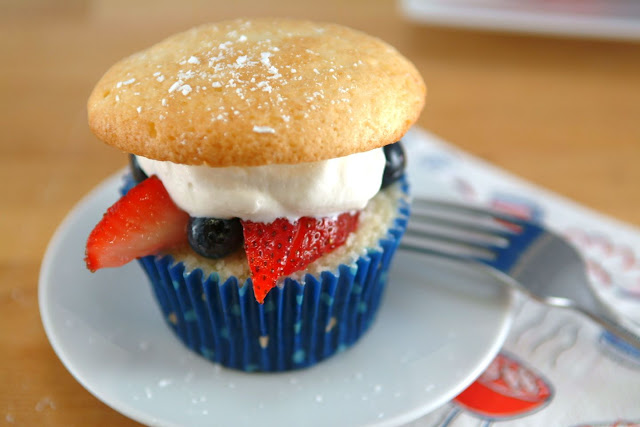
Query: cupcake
(266, 193)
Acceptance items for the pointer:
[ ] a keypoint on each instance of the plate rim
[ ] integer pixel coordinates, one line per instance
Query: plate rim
(43, 292)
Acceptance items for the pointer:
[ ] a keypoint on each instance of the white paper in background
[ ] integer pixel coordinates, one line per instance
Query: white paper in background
(611, 19)
(556, 368)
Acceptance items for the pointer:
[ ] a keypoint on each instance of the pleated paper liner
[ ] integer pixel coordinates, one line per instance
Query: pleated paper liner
(300, 323)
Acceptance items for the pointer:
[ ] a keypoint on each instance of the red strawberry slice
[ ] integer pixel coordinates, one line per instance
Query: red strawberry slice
(281, 247)
(143, 222)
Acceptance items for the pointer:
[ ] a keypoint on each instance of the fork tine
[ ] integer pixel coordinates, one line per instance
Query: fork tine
(419, 205)
(450, 233)
(489, 229)
(460, 232)
(459, 228)
(445, 249)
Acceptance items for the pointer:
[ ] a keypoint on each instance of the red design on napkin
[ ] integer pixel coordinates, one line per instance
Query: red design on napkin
(505, 390)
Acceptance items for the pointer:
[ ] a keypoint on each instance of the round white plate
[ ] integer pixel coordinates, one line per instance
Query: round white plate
(439, 327)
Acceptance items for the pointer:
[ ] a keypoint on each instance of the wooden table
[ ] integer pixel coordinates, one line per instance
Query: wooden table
(562, 113)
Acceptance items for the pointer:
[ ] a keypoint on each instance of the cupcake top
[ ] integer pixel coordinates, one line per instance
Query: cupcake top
(257, 92)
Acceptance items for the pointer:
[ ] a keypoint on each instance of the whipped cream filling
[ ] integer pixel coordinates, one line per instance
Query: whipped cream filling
(264, 193)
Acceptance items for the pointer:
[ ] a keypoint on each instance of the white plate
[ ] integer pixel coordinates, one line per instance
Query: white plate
(609, 19)
(438, 328)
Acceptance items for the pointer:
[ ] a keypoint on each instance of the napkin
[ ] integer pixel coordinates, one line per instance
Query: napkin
(556, 368)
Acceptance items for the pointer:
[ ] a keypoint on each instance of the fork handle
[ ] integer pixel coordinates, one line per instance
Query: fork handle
(612, 323)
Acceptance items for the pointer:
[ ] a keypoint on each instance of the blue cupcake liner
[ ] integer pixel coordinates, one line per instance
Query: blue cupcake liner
(300, 323)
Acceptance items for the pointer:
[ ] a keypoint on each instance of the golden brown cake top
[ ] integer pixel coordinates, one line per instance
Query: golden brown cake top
(256, 92)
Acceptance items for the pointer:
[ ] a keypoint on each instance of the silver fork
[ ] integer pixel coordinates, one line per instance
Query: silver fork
(536, 261)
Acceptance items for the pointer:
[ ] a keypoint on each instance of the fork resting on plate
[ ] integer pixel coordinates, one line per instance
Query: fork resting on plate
(524, 254)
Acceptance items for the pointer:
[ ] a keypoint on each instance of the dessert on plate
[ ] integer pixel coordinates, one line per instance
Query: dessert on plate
(266, 193)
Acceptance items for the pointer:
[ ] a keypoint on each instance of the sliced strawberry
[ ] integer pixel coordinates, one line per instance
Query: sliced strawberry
(279, 248)
(143, 222)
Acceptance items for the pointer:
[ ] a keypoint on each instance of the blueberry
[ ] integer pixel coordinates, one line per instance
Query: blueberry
(137, 172)
(394, 164)
(214, 237)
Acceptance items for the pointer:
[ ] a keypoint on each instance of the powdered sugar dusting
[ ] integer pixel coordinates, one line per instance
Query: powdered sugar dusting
(264, 59)
(125, 82)
(45, 403)
(175, 86)
(263, 129)
(265, 86)
(236, 73)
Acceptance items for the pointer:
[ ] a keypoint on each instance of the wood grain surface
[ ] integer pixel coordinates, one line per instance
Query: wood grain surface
(563, 113)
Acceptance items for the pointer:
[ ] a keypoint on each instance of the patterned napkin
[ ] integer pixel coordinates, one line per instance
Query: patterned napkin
(556, 368)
